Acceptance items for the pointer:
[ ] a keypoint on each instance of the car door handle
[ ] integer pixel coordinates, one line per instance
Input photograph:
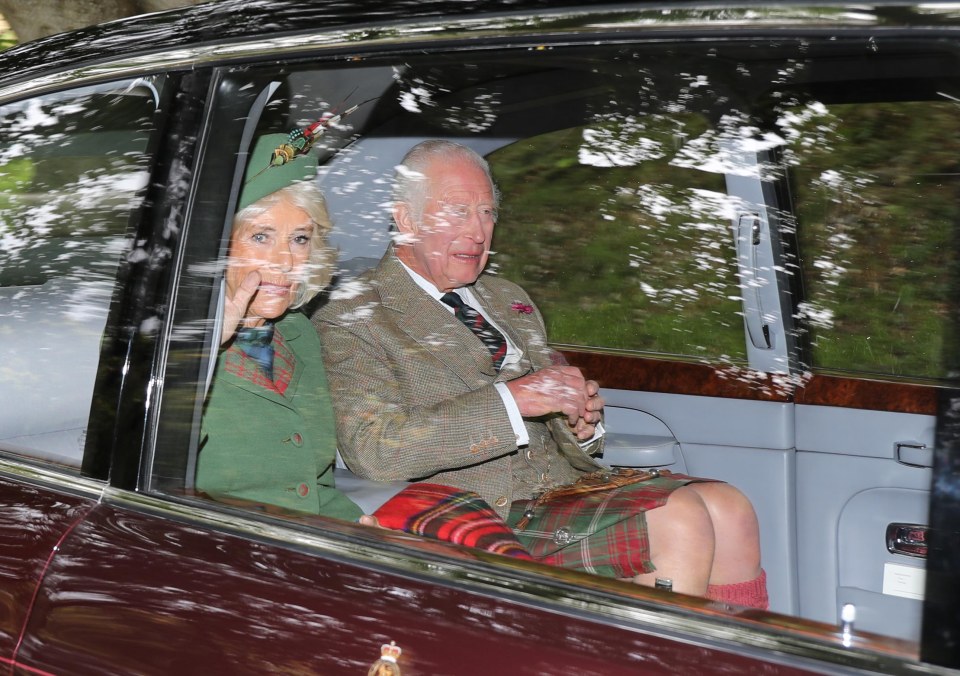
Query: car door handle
(748, 239)
(909, 539)
(913, 454)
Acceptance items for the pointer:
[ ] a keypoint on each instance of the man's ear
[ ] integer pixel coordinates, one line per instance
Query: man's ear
(403, 217)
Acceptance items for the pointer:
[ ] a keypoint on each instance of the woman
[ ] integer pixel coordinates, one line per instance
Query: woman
(268, 432)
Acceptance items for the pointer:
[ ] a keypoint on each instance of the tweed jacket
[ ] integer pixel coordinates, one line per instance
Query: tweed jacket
(273, 442)
(413, 390)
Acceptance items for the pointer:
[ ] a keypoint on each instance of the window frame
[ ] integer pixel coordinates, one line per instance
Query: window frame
(210, 179)
(99, 417)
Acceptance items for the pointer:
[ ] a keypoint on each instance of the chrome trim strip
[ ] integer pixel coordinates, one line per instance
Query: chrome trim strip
(767, 637)
(53, 477)
(550, 25)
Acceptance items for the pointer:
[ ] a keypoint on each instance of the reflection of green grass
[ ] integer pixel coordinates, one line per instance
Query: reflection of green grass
(890, 303)
(7, 39)
(15, 176)
(886, 343)
(609, 327)
(582, 240)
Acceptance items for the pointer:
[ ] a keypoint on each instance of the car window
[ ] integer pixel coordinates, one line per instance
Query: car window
(73, 168)
(614, 217)
(619, 171)
(622, 172)
(877, 197)
(622, 246)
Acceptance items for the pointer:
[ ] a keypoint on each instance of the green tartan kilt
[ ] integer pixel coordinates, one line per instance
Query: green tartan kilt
(604, 532)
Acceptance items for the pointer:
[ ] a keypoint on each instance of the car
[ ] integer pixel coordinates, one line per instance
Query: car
(740, 218)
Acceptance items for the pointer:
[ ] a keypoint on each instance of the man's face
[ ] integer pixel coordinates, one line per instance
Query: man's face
(450, 244)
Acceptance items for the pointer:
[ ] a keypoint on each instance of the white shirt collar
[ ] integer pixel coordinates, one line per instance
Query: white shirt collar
(435, 293)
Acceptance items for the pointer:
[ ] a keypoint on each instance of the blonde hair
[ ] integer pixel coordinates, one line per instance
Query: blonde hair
(320, 266)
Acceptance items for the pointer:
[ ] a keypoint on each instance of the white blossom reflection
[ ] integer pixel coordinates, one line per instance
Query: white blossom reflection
(72, 169)
(876, 199)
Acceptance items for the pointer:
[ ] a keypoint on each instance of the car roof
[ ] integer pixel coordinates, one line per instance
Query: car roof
(238, 20)
(225, 20)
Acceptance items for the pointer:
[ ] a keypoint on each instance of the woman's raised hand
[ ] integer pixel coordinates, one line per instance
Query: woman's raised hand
(235, 306)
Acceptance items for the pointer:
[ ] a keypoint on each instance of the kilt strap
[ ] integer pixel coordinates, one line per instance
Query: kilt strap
(601, 480)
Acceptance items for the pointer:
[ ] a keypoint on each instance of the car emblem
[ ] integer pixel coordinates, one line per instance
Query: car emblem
(387, 664)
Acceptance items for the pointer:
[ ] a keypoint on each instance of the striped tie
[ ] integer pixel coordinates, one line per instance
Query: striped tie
(483, 329)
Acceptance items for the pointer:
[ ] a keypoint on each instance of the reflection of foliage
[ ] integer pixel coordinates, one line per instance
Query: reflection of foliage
(877, 201)
(69, 178)
(15, 174)
(433, 95)
(620, 249)
(625, 143)
(8, 39)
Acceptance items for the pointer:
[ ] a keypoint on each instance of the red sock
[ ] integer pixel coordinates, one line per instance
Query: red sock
(752, 593)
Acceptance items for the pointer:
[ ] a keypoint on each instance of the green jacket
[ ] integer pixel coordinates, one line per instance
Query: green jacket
(273, 442)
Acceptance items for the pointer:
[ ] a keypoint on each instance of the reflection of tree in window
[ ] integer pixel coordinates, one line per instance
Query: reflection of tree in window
(70, 174)
(72, 169)
(877, 190)
(446, 101)
(620, 248)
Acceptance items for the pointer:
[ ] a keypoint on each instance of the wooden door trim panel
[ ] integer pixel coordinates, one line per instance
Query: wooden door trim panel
(871, 395)
(629, 372)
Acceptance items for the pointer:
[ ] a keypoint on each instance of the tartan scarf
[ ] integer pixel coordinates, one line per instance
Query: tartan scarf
(257, 343)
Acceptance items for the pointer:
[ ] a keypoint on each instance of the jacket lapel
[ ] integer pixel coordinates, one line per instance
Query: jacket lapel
(426, 322)
(290, 333)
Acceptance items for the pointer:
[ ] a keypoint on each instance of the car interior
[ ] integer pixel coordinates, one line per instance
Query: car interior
(721, 160)
(748, 246)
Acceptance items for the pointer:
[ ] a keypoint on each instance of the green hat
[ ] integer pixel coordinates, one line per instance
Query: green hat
(264, 177)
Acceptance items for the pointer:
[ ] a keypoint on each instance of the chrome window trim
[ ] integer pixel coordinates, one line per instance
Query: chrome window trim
(762, 636)
(549, 25)
(61, 479)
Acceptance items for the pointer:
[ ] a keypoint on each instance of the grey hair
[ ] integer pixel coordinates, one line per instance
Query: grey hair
(409, 185)
(304, 195)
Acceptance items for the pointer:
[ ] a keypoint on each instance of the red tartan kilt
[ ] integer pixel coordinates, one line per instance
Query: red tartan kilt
(604, 532)
(446, 513)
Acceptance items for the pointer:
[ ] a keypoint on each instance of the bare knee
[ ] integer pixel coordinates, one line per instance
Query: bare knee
(729, 509)
(737, 545)
(684, 516)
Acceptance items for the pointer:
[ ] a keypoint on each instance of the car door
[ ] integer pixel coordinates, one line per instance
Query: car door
(876, 264)
(154, 578)
(38, 516)
(73, 170)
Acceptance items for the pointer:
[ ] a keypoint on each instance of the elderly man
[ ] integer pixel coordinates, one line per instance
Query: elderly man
(442, 372)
